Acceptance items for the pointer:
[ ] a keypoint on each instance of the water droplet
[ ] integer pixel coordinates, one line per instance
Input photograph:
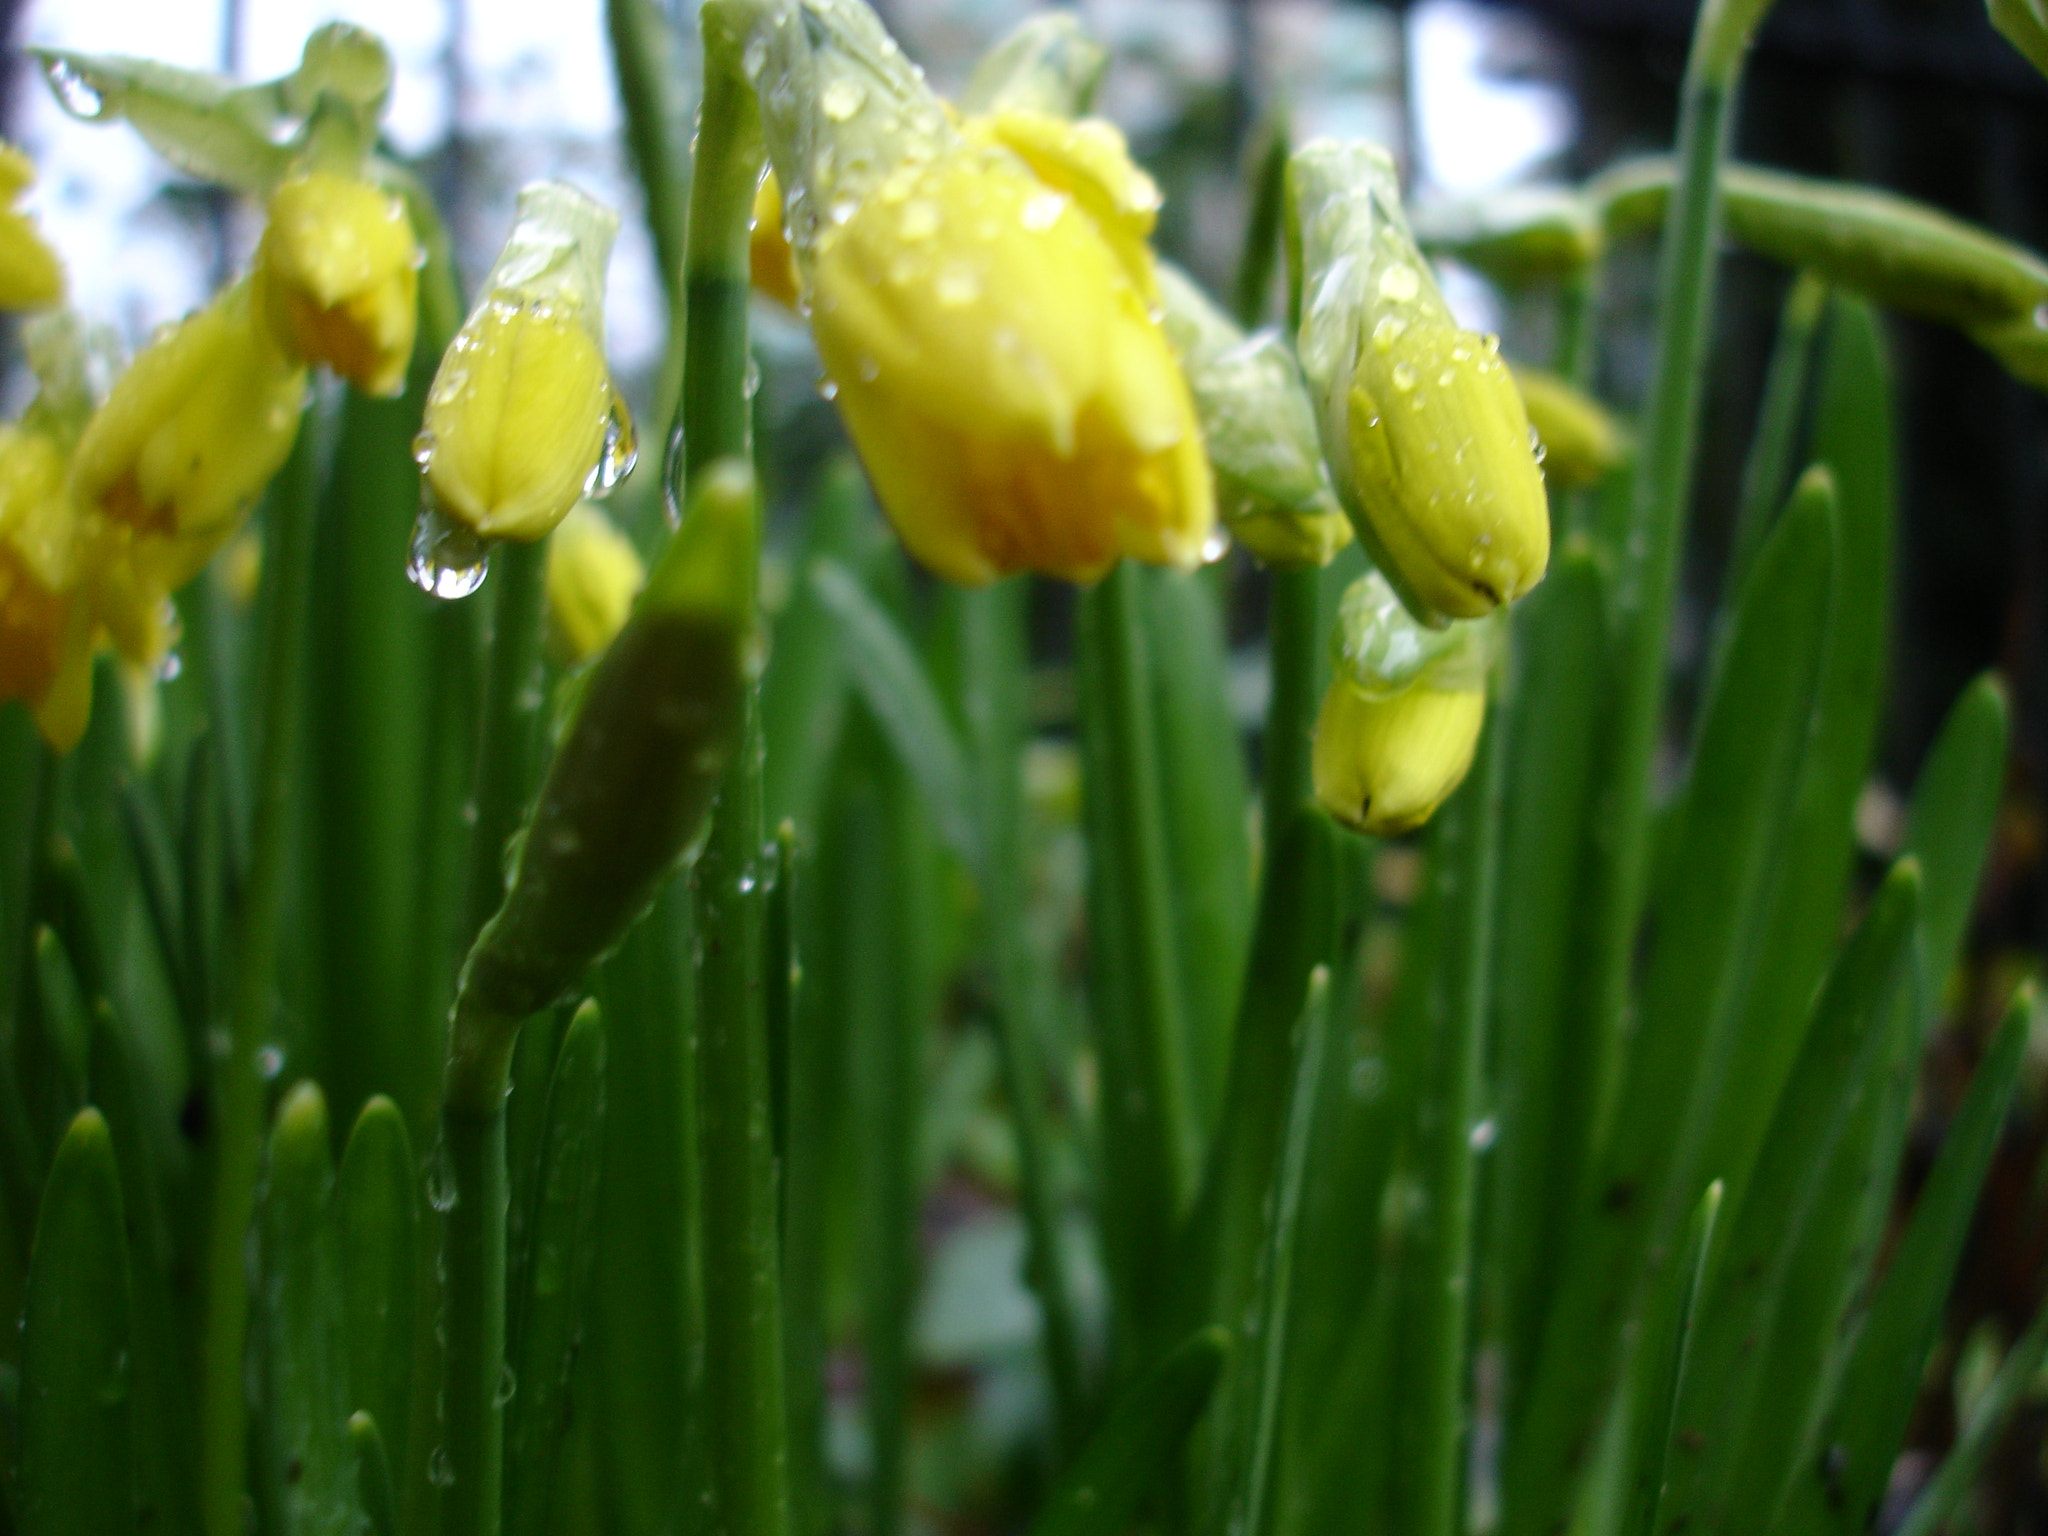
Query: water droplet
(829, 388)
(1043, 209)
(841, 209)
(170, 667)
(269, 1063)
(441, 1191)
(672, 467)
(957, 285)
(746, 882)
(423, 446)
(1215, 546)
(440, 1470)
(750, 379)
(1483, 1134)
(920, 220)
(447, 559)
(755, 59)
(1387, 330)
(621, 451)
(842, 99)
(508, 1384)
(78, 95)
(1404, 377)
(1399, 284)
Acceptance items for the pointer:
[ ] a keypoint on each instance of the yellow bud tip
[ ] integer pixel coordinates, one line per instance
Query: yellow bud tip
(771, 264)
(340, 270)
(1444, 470)
(593, 575)
(516, 418)
(1015, 404)
(1382, 765)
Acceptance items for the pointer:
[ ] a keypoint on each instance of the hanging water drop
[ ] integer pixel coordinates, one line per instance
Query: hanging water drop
(621, 452)
(508, 1384)
(78, 95)
(269, 1063)
(447, 559)
(440, 1470)
(842, 99)
(441, 1191)
(672, 478)
(1215, 546)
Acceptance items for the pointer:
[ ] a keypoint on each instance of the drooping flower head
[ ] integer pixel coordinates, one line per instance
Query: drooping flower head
(1420, 418)
(340, 269)
(981, 298)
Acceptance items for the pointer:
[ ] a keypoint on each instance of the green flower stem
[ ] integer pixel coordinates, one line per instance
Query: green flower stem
(1649, 574)
(509, 732)
(238, 1091)
(1443, 1340)
(1768, 474)
(745, 1419)
(1294, 630)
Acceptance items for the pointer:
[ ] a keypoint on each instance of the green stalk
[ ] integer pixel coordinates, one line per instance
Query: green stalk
(1139, 848)
(1294, 630)
(1650, 558)
(1443, 1323)
(745, 1419)
(238, 1091)
(509, 731)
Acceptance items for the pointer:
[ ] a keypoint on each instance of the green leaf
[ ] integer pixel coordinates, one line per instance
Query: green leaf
(547, 1319)
(1666, 1349)
(893, 684)
(76, 1473)
(1708, 935)
(376, 1199)
(304, 1348)
(1100, 1493)
(1850, 1459)
(1955, 804)
(1841, 1066)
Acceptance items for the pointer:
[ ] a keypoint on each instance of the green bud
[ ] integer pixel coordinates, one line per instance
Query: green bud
(1421, 422)
(632, 782)
(1580, 440)
(1517, 236)
(2021, 345)
(1898, 252)
(1273, 489)
(1047, 63)
(1383, 765)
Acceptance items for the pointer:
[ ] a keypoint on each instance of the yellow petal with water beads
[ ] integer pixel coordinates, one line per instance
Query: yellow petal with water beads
(340, 272)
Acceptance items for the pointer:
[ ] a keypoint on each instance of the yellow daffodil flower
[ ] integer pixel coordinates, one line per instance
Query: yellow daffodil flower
(1383, 764)
(185, 441)
(521, 411)
(340, 270)
(1420, 419)
(593, 575)
(45, 626)
(30, 276)
(981, 296)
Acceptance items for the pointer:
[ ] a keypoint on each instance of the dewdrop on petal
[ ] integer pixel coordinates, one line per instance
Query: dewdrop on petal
(1423, 427)
(593, 575)
(1581, 442)
(522, 418)
(981, 298)
(340, 277)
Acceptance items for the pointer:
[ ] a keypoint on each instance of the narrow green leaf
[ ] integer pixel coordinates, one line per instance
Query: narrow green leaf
(546, 1321)
(76, 1473)
(58, 1049)
(893, 683)
(1100, 1493)
(304, 1348)
(1954, 805)
(376, 1199)
(1666, 1350)
(1707, 935)
(1951, 1484)
(1209, 812)
(780, 973)
(1840, 1066)
(373, 1473)
(1851, 1458)
(1768, 468)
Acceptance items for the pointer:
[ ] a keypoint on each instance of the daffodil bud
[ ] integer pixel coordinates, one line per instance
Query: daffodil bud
(593, 575)
(1420, 420)
(340, 277)
(1580, 440)
(1402, 715)
(633, 778)
(1272, 486)
(30, 276)
(45, 626)
(981, 299)
(522, 418)
(188, 437)
(1383, 765)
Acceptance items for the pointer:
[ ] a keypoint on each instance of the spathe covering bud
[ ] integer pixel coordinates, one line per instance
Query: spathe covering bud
(1402, 716)
(1422, 425)
(522, 417)
(980, 298)
(1272, 487)
(633, 779)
